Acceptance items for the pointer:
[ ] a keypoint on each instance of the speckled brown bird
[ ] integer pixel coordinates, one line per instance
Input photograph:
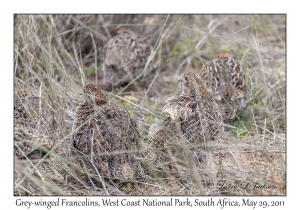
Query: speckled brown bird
(226, 80)
(29, 144)
(26, 137)
(107, 136)
(201, 121)
(193, 120)
(126, 55)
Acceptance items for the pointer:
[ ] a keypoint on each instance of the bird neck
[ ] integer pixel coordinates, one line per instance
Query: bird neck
(100, 103)
(94, 103)
(199, 89)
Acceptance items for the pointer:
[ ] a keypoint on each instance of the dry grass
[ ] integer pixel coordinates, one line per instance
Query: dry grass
(56, 55)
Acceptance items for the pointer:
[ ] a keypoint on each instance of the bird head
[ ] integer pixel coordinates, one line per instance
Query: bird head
(188, 78)
(195, 85)
(95, 94)
(118, 31)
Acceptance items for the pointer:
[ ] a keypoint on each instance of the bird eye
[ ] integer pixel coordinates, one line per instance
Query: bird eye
(185, 78)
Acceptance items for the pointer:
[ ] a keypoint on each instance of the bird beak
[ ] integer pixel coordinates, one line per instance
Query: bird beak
(180, 80)
(34, 96)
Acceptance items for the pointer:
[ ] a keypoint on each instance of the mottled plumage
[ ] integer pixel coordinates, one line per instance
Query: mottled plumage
(30, 144)
(226, 80)
(126, 55)
(192, 121)
(107, 136)
(26, 137)
(201, 119)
